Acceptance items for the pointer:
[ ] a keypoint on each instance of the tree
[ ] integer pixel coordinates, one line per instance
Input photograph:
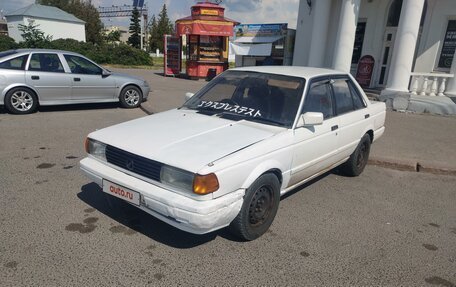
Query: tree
(84, 10)
(113, 36)
(34, 37)
(164, 26)
(153, 35)
(135, 29)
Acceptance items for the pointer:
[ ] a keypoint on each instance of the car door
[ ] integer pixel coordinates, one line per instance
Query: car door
(315, 147)
(352, 113)
(88, 82)
(46, 74)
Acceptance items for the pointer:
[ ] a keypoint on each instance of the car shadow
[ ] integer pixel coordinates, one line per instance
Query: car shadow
(74, 107)
(157, 230)
(78, 107)
(144, 223)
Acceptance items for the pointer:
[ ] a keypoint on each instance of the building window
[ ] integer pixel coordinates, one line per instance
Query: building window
(394, 13)
(449, 46)
(359, 40)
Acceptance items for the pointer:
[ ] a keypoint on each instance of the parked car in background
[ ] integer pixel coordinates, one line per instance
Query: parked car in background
(227, 155)
(32, 77)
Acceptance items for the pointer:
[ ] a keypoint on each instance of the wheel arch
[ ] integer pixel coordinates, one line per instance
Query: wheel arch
(13, 86)
(129, 84)
(272, 166)
(371, 135)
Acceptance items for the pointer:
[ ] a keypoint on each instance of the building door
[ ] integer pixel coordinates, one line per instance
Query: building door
(387, 54)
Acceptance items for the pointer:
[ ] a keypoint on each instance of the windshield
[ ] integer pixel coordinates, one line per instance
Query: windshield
(260, 97)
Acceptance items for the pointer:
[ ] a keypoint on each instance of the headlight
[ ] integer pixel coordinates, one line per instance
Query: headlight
(96, 149)
(199, 184)
(176, 177)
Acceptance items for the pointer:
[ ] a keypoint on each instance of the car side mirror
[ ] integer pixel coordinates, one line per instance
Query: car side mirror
(188, 96)
(105, 73)
(310, 119)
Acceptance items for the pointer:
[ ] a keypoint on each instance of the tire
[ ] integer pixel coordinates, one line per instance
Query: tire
(355, 165)
(21, 101)
(130, 97)
(261, 202)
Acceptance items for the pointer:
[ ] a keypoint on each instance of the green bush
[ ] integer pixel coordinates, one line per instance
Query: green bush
(112, 53)
(7, 43)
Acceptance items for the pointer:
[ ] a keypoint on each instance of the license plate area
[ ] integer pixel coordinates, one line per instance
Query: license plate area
(121, 192)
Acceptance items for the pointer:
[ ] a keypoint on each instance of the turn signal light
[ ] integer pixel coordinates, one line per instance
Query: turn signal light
(204, 184)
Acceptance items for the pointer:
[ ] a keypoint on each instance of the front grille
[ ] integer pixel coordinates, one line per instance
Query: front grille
(134, 163)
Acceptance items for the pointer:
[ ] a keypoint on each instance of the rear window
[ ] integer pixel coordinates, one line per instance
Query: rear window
(17, 63)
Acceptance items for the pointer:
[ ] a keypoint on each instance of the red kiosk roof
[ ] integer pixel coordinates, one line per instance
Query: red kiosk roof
(206, 19)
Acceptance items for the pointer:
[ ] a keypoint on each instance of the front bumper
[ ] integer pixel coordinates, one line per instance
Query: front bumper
(185, 213)
(145, 91)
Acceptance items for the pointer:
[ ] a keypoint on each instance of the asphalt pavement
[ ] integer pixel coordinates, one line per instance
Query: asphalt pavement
(412, 142)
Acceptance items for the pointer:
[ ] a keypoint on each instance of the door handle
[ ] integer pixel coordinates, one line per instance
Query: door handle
(333, 128)
(77, 79)
(366, 116)
(35, 77)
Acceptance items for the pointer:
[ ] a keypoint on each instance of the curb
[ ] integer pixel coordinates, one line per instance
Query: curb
(145, 110)
(412, 165)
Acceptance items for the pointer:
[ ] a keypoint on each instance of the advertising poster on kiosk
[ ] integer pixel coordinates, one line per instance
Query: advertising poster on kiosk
(172, 60)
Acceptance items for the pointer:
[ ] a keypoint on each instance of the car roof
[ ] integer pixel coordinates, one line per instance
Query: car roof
(44, 51)
(295, 71)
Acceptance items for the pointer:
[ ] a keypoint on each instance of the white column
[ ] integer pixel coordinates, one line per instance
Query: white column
(404, 47)
(319, 33)
(451, 88)
(346, 35)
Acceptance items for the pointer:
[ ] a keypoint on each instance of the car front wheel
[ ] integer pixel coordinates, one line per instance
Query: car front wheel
(21, 101)
(259, 209)
(130, 97)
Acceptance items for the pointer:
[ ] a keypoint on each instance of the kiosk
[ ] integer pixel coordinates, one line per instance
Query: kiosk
(207, 33)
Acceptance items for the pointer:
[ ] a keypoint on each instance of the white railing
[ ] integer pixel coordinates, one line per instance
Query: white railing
(429, 84)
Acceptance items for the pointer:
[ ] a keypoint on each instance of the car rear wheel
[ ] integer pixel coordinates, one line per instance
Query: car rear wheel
(21, 101)
(355, 165)
(259, 209)
(130, 97)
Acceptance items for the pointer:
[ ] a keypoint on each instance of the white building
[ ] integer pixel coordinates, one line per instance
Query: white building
(51, 20)
(412, 42)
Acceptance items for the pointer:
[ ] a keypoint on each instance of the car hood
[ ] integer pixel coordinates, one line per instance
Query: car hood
(184, 139)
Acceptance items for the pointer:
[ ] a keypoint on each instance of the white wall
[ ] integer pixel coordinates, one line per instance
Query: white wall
(54, 28)
(434, 28)
(303, 35)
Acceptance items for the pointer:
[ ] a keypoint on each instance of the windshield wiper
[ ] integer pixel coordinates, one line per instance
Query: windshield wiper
(231, 116)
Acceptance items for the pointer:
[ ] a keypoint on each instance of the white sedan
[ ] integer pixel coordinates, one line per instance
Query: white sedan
(228, 154)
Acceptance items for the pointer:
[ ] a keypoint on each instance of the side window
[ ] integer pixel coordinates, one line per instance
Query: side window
(17, 63)
(46, 63)
(318, 99)
(343, 96)
(358, 100)
(79, 65)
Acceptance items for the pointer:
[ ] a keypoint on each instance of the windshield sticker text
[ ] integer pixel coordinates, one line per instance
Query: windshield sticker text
(230, 108)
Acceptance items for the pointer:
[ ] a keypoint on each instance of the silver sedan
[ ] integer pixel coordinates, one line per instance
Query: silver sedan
(32, 77)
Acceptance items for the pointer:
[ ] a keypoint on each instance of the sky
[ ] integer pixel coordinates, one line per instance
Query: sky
(243, 11)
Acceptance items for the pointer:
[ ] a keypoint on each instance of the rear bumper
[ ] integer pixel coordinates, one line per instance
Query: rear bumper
(378, 133)
(185, 213)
